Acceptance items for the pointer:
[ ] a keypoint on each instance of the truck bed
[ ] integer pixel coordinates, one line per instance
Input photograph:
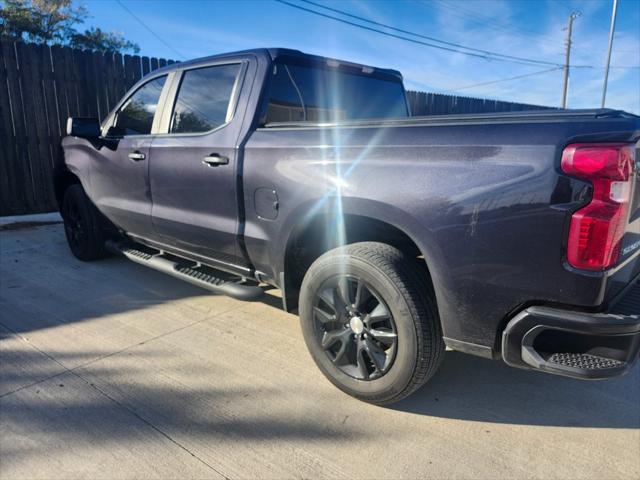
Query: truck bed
(483, 196)
(526, 116)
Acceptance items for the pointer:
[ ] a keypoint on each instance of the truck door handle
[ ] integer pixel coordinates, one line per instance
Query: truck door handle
(137, 156)
(214, 160)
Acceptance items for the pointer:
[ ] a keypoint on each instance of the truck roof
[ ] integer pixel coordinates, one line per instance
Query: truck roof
(286, 54)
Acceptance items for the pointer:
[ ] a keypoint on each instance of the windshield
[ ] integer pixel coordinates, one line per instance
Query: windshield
(315, 94)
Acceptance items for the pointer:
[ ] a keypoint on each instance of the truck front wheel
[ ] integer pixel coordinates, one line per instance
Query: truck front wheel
(82, 225)
(370, 321)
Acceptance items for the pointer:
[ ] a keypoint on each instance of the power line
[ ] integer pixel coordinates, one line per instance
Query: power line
(473, 14)
(390, 27)
(555, 69)
(493, 56)
(517, 77)
(164, 42)
(487, 55)
(472, 17)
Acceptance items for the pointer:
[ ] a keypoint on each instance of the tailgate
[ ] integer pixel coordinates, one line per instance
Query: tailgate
(631, 240)
(630, 248)
(629, 304)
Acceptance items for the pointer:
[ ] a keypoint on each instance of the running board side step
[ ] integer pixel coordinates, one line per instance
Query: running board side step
(192, 272)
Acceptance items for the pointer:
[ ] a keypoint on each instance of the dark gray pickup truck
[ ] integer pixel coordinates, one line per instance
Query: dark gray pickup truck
(512, 236)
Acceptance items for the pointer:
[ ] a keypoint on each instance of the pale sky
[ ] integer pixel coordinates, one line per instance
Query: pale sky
(528, 29)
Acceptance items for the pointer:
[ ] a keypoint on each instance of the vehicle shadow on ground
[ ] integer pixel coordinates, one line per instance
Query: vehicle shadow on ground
(115, 401)
(44, 286)
(477, 389)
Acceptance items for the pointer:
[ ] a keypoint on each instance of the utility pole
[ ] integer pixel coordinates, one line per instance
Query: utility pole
(565, 87)
(606, 68)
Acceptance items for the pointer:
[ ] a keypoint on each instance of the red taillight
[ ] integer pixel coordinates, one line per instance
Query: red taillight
(597, 229)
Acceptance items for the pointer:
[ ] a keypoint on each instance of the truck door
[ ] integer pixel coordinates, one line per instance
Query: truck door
(194, 163)
(120, 170)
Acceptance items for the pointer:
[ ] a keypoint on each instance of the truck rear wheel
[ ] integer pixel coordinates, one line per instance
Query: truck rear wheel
(370, 322)
(82, 225)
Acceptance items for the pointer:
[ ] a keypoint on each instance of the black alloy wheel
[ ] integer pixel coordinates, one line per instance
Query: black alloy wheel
(369, 319)
(74, 225)
(83, 225)
(355, 327)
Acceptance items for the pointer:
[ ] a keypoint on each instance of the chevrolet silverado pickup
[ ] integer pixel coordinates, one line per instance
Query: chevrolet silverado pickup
(512, 236)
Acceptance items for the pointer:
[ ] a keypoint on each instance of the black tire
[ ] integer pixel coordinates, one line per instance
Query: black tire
(83, 226)
(374, 369)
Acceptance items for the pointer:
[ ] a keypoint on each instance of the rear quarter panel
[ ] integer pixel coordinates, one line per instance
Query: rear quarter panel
(485, 203)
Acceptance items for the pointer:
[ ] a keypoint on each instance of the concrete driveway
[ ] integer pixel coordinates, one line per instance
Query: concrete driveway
(110, 370)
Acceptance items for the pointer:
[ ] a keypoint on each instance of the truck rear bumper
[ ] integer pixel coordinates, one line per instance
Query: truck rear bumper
(574, 344)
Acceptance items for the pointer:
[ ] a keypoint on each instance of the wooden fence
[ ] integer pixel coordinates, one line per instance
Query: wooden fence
(40, 86)
(423, 103)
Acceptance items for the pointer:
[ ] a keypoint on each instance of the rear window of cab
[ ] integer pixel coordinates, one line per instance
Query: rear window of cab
(300, 93)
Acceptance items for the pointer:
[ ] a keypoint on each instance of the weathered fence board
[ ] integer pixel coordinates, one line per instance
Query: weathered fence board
(41, 86)
(7, 155)
(17, 163)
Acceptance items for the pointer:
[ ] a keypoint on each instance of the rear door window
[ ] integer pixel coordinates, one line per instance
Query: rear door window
(204, 100)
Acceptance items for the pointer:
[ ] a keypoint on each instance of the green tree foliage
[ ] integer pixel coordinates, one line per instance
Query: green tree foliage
(43, 21)
(54, 22)
(97, 39)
